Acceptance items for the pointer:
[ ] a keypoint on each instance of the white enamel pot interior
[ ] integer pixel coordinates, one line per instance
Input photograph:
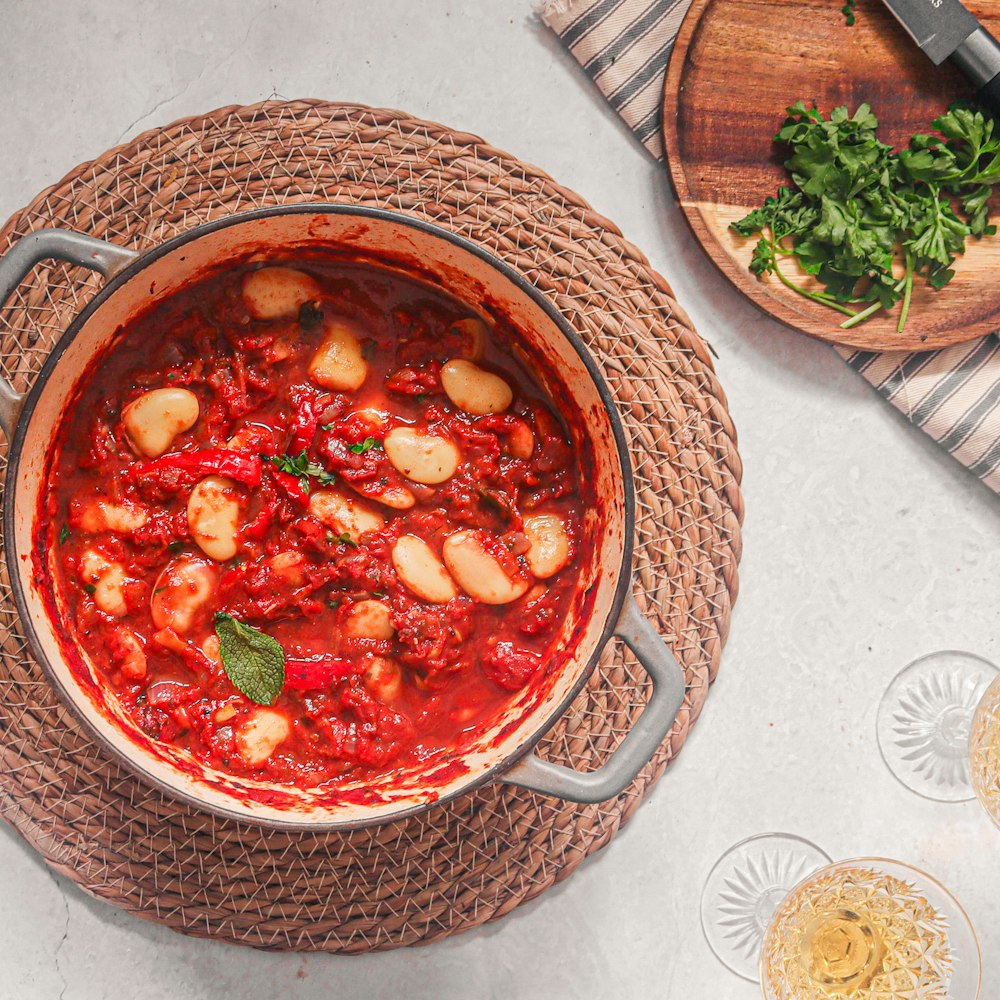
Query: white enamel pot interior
(466, 271)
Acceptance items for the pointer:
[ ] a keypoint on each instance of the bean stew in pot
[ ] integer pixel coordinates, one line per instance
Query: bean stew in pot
(314, 518)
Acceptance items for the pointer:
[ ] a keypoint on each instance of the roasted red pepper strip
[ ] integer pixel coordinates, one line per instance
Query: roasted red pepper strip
(312, 675)
(258, 528)
(292, 486)
(306, 423)
(205, 462)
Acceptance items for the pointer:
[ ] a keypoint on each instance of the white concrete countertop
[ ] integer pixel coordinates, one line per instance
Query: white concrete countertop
(865, 544)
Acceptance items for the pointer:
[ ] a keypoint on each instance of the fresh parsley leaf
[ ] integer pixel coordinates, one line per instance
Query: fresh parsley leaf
(303, 468)
(859, 213)
(366, 445)
(64, 534)
(253, 661)
(346, 539)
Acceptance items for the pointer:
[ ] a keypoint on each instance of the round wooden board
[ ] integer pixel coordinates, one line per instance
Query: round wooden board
(734, 68)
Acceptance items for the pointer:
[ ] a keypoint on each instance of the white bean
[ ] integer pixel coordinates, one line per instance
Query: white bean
(97, 515)
(424, 458)
(421, 571)
(478, 572)
(549, 540)
(369, 620)
(520, 440)
(344, 515)
(474, 390)
(392, 495)
(290, 566)
(211, 647)
(476, 331)
(107, 577)
(261, 734)
(213, 514)
(374, 421)
(129, 654)
(384, 678)
(154, 419)
(278, 292)
(338, 363)
(184, 587)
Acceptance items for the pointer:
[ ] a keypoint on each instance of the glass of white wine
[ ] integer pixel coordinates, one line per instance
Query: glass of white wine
(863, 929)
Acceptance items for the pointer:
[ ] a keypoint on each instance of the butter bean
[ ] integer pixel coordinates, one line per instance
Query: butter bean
(424, 458)
(98, 515)
(107, 578)
(129, 654)
(520, 440)
(154, 420)
(261, 734)
(213, 514)
(181, 591)
(369, 620)
(474, 390)
(384, 678)
(550, 550)
(478, 572)
(278, 292)
(290, 566)
(338, 363)
(476, 332)
(421, 571)
(344, 515)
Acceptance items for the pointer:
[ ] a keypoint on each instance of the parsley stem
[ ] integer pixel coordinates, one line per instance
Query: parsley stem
(871, 310)
(908, 289)
(825, 300)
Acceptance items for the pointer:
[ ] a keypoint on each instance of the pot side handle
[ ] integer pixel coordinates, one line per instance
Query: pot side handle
(638, 747)
(62, 244)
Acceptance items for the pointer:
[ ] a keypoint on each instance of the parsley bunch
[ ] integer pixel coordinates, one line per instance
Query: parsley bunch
(867, 221)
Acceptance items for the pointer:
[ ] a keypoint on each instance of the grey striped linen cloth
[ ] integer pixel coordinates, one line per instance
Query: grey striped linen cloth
(952, 394)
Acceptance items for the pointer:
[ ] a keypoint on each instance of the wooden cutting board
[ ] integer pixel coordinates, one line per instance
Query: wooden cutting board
(735, 66)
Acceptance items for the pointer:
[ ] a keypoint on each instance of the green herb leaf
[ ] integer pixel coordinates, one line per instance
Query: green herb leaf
(253, 661)
(90, 588)
(303, 468)
(860, 212)
(175, 546)
(64, 534)
(366, 445)
(346, 539)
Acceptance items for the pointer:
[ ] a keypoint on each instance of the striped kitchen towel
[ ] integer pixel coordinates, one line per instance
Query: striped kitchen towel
(952, 394)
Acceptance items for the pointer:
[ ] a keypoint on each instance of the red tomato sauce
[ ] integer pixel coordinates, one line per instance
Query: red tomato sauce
(282, 505)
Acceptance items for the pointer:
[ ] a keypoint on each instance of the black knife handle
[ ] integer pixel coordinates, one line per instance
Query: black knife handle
(988, 97)
(978, 57)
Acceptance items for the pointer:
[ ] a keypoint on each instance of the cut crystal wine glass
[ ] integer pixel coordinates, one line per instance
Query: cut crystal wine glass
(863, 929)
(925, 719)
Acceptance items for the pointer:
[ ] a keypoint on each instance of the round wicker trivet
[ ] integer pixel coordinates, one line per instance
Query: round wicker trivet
(477, 858)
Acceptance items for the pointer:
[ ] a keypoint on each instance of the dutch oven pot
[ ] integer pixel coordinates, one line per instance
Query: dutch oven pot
(471, 274)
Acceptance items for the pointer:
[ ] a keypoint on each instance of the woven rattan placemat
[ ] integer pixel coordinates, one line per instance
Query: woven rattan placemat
(478, 857)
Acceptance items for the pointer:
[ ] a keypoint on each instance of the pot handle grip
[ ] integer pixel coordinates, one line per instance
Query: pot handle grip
(635, 751)
(61, 244)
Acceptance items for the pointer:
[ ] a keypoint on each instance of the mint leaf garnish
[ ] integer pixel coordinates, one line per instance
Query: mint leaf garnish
(253, 661)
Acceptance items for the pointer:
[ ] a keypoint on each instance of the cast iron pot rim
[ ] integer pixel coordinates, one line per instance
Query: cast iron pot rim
(132, 270)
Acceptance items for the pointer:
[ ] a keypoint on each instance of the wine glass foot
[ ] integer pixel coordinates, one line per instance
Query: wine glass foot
(924, 721)
(744, 889)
